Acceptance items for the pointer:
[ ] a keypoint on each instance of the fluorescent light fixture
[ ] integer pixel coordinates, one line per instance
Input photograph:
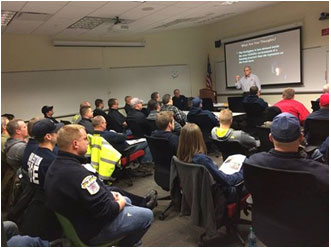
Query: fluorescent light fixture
(98, 43)
(89, 22)
(6, 17)
(229, 2)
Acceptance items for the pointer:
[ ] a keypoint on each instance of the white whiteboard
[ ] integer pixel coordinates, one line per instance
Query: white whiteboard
(315, 63)
(24, 93)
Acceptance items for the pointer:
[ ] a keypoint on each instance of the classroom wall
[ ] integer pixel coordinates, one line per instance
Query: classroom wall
(279, 14)
(35, 53)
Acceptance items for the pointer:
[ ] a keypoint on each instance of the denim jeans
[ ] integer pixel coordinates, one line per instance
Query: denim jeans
(26, 241)
(147, 158)
(131, 224)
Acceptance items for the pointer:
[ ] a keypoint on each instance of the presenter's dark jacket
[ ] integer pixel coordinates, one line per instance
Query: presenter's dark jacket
(79, 195)
(116, 120)
(87, 123)
(293, 161)
(180, 102)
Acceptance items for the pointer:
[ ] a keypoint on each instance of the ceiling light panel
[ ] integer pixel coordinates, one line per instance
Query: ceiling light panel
(90, 22)
(6, 17)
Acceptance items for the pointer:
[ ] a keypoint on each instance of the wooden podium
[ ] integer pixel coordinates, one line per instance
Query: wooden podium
(208, 93)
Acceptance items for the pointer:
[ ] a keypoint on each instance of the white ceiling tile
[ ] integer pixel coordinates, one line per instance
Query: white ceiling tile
(12, 5)
(87, 4)
(67, 13)
(190, 3)
(112, 9)
(45, 7)
(137, 12)
(22, 27)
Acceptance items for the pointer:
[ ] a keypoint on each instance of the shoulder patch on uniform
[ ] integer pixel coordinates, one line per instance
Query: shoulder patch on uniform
(90, 183)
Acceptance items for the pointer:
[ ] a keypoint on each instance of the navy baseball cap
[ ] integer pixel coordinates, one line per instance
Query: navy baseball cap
(46, 109)
(196, 102)
(285, 128)
(45, 126)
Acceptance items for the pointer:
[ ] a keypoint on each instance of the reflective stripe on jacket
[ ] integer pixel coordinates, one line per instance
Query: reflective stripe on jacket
(104, 157)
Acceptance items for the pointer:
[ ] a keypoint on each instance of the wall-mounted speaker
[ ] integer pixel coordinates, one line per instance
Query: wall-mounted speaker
(218, 43)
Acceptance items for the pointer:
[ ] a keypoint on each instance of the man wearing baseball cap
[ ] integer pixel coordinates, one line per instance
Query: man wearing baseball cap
(48, 113)
(38, 219)
(286, 137)
(45, 132)
(321, 114)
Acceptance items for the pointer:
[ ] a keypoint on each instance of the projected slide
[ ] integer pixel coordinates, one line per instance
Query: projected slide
(274, 58)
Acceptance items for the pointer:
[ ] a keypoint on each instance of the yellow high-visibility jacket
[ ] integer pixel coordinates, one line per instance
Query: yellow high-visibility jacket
(104, 157)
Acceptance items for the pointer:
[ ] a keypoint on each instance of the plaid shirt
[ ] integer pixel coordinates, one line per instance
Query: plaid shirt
(179, 115)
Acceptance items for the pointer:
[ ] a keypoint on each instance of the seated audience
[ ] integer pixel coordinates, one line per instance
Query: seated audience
(325, 90)
(225, 133)
(11, 235)
(286, 137)
(38, 219)
(289, 105)
(179, 116)
(45, 134)
(127, 106)
(156, 96)
(32, 143)
(179, 100)
(324, 149)
(254, 97)
(97, 213)
(321, 114)
(4, 132)
(99, 108)
(8, 116)
(197, 110)
(48, 113)
(166, 124)
(116, 121)
(118, 141)
(138, 117)
(155, 108)
(16, 143)
(77, 118)
(196, 153)
(86, 114)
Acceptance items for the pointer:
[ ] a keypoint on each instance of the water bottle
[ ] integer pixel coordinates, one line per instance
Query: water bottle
(251, 238)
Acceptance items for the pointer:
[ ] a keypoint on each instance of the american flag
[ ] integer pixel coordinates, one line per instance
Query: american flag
(209, 83)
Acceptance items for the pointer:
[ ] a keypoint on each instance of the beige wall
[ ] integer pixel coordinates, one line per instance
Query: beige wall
(189, 46)
(31, 53)
(279, 14)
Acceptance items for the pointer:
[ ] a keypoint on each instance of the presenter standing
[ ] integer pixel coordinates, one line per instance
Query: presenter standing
(247, 81)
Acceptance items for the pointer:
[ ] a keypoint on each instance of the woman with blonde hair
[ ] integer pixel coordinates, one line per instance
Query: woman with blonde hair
(192, 149)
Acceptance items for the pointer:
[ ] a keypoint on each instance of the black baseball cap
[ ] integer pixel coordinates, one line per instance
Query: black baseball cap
(46, 109)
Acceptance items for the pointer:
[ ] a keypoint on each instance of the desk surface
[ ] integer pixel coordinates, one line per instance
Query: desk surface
(221, 105)
(217, 113)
